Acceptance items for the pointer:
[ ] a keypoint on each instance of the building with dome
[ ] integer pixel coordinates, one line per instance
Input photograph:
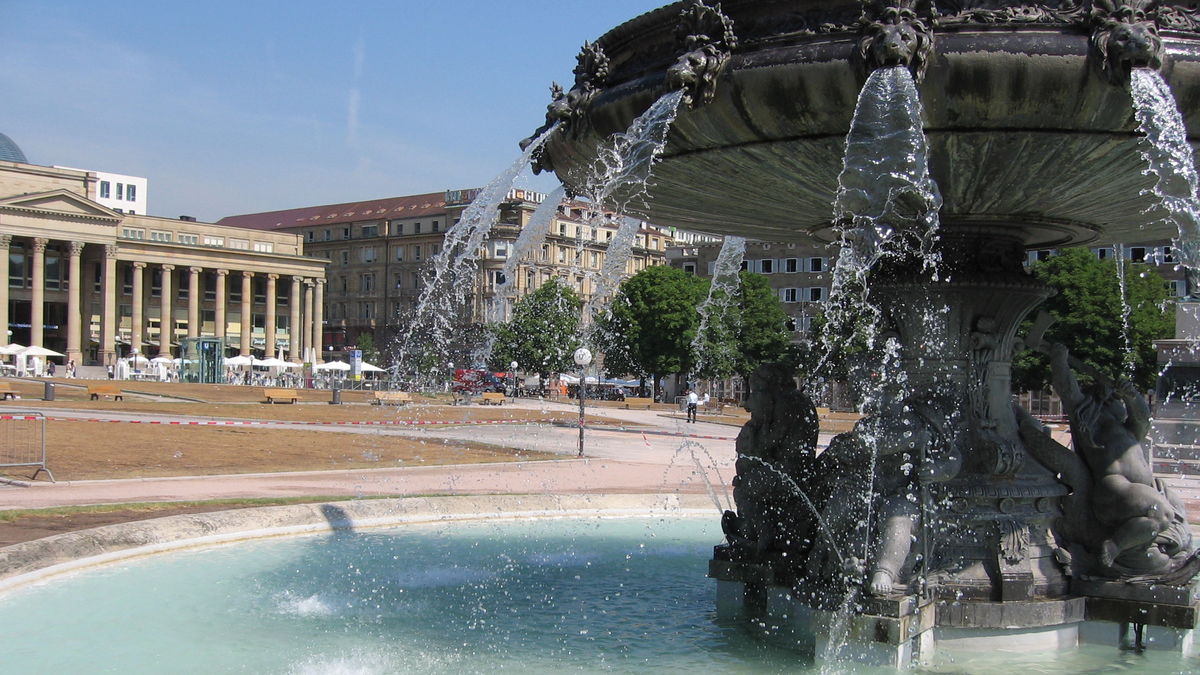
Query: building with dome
(95, 283)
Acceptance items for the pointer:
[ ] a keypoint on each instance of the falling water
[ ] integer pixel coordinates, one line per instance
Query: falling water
(886, 208)
(710, 348)
(1128, 359)
(1169, 156)
(450, 274)
(533, 234)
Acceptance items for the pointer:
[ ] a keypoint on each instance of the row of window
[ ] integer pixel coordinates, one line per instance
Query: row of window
(127, 193)
(208, 316)
(1153, 255)
(368, 231)
(139, 234)
(810, 294)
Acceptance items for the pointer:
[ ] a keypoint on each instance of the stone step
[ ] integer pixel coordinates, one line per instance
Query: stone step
(1175, 432)
(1176, 451)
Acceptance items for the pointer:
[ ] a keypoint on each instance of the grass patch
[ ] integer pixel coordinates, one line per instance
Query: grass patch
(13, 515)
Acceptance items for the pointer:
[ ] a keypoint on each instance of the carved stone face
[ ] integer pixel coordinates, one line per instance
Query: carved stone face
(895, 45)
(1134, 44)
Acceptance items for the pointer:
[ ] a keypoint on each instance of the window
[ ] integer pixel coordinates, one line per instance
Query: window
(399, 280)
(595, 258)
(562, 229)
(1105, 253)
(311, 235)
(259, 286)
(816, 294)
(790, 294)
(105, 189)
(399, 254)
(328, 234)
(816, 264)
(766, 266)
(345, 233)
(264, 247)
(213, 241)
(366, 283)
(436, 226)
(192, 239)
(747, 265)
(370, 230)
(397, 228)
(234, 288)
(133, 233)
(416, 228)
(416, 252)
(120, 191)
(690, 268)
(156, 283)
(131, 193)
(210, 286)
(370, 254)
(498, 277)
(53, 270)
(791, 265)
(366, 310)
(501, 249)
(345, 256)
(159, 236)
(240, 244)
(1137, 254)
(345, 284)
(1178, 288)
(562, 255)
(1166, 255)
(545, 257)
(127, 279)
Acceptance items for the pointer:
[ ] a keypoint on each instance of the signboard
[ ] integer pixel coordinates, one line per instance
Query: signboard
(356, 364)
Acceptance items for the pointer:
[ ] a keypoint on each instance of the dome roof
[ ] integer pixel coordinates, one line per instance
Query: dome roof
(11, 152)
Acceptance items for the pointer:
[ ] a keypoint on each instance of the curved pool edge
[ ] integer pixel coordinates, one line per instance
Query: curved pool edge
(33, 561)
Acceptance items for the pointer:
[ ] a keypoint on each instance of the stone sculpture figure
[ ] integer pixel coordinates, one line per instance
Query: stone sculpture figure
(1125, 36)
(708, 38)
(1128, 524)
(775, 453)
(897, 33)
(570, 109)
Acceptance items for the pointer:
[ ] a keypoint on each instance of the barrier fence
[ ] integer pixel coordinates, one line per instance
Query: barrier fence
(23, 442)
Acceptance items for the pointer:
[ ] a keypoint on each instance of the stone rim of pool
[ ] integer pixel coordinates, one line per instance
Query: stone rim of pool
(34, 561)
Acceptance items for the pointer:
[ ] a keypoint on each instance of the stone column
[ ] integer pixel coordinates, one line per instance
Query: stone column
(269, 319)
(37, 306)
(318, 320)
(74, 297)
(194, 292)
(307, 331)
(5, 242)
(166, 312)
(219, 306)
(108, 324)
(247, 313)
(294, 331)
(137, 322)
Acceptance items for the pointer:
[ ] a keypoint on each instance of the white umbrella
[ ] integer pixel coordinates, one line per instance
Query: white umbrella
(272, 363)
(368, 368)
(239, 361)
(333, 365)
(161, 358)
(38, 351)
(11, 349)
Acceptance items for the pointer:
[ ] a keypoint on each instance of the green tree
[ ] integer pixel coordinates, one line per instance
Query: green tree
(543, 334)
(653, 320)
(1087, 306)
(761, 329)
(366, 342)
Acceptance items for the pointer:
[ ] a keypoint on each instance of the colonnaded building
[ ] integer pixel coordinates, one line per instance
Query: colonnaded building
(377, 252)
(96, 284)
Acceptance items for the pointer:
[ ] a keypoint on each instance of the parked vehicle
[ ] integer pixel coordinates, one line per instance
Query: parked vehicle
(476, 382)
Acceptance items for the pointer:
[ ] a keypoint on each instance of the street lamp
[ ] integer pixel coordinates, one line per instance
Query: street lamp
(512, 368)
(583, 357)
(450, 382)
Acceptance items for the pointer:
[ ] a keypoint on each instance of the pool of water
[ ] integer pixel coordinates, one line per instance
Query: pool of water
(524, 596)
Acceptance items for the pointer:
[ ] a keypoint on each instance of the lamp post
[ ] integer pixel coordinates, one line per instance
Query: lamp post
(450, 382)
(583, 356)
(512, 368)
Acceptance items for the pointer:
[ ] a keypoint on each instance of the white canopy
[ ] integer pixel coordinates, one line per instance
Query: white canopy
(570, 379)
(162, 358)
(11, 349)
(332, 365)
(38, 351)
(239, 361)
(368, 368)
(273, 363)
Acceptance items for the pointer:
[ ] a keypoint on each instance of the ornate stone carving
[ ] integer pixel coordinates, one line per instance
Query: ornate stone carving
(39, 244)
(953, 12)
(5, 240)
(1118, 521)
(1013, 540)
(570, 109)
(1125, 36)
(707, 38)
(76, 248)
(110, 251)
(897, 33)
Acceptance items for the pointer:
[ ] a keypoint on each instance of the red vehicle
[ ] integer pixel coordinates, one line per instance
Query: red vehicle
(476, 382)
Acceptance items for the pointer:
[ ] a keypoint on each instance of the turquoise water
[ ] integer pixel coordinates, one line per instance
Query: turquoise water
(529, 596)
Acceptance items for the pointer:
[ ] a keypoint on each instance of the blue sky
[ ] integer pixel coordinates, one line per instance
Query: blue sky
(238, 107)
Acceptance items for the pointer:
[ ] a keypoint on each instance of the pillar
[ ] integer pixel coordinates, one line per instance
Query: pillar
(294, 339)
(306, 332)
(219, 306)
(108, 327)
(37, 306)
(318, 321)
(74, 308)
(5, 242)
(138, 320)
(166, 312)
(194, 301)
(247, 313)
(269, 319)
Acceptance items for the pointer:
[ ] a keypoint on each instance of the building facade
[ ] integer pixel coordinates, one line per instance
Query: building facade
(378, 252)
(120, 192)
(97, 284)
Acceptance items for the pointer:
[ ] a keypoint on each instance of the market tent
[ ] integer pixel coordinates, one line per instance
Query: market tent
(333, 365)
(38, 351)
(239, 361)
(368, 368)
(11, 349)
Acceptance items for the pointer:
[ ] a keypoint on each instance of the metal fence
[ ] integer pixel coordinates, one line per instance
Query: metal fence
(23, 442)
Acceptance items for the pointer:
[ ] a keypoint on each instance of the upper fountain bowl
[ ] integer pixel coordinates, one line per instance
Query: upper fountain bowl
(1026, 107)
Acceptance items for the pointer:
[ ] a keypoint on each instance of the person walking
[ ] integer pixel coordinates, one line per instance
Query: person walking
(692, 401)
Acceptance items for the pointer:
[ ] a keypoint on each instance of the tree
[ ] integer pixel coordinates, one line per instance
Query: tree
(1088, 310)
(761, 330)
(543, 334)
(653, 320)
(366, 343)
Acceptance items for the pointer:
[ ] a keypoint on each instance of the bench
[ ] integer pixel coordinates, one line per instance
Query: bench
(95, 391)
(281, 395)
(396, 397)
(631, 401)
(493, 398)
(7, 392)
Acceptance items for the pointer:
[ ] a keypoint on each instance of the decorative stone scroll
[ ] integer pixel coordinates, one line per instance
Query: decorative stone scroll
(1124, 37)
(897, 33)
(707, 38)
(569, 109)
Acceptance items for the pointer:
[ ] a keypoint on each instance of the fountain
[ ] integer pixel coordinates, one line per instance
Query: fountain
(973, 525)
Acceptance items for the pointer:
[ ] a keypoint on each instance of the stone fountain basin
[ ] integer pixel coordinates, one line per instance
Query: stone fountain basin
(1025, 133)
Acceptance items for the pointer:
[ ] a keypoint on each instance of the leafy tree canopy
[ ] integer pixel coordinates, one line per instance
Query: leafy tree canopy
(543, 334)
(653, 320)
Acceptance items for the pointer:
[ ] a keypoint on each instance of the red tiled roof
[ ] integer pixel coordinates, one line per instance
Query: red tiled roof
(412, 206)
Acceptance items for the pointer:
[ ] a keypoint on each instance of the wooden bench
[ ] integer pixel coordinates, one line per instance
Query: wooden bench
(493, 398)
(396, 397)
(631, 401)
(95, 391)
(281, 395)
(7, 392)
